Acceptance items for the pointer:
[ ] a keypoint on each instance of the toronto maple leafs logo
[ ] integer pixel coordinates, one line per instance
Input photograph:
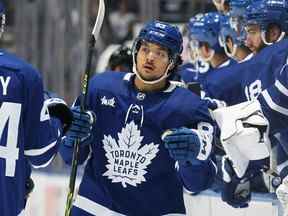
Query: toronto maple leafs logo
(126, 160)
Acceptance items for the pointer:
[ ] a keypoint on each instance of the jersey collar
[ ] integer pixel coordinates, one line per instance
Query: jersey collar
(172, 85)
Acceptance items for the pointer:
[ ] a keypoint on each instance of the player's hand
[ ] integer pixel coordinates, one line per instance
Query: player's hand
(214, 103)
(282, 193)
(235, 191)
(186, 144)
(58, 108)
(29, 187)
(81, 127)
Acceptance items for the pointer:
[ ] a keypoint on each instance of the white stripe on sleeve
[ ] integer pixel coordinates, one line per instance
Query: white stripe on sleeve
(273, 105)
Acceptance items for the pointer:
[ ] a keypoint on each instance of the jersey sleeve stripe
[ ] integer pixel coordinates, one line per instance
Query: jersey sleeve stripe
(37, 152)
(281, 88)
(93, 207)
(43, 165)
(273, 105)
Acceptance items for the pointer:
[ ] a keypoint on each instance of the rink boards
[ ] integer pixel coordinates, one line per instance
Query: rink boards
(49, 197)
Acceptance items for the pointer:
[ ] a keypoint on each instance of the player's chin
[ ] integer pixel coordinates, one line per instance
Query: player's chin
(252, 49)
(150, 77)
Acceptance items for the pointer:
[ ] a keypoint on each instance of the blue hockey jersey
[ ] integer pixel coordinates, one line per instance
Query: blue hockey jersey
(246, 80)
(26, 135)
(191, 73)
(129, 171)
(274, 102)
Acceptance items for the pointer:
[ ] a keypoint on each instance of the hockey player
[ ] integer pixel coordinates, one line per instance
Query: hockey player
(121, 60)
(27, 135)
(248, 79)
(232, 34)
(205, 39)
(265, 23)
(192, 70)
(245, 82)
(254, 83)
(130, 171)
(272, 102)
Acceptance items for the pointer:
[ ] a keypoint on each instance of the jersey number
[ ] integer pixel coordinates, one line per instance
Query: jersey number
(10, 116)
(254, 90)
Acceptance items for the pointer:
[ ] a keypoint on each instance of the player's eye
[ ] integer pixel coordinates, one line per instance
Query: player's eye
(161, 54)
(145, 49)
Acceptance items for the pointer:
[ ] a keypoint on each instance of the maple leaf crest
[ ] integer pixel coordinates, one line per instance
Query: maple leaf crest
(127, 160)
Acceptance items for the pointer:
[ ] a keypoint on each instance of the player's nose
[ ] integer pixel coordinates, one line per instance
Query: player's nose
(151, 56)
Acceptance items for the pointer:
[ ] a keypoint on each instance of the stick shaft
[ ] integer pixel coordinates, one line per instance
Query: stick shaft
(83, 103)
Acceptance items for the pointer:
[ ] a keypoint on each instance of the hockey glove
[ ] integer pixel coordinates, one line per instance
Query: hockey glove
(235, 191)
(81, 127)
(58, 108)
(186, 144)
(214, 103)
(282, 194)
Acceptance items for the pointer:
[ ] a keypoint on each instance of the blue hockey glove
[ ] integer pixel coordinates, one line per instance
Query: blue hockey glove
(81, 127)
(235, 191)
(214, 103)
(186, 144)
(58, 108)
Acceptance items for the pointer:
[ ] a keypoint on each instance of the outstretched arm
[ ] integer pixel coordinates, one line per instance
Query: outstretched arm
(191, 149)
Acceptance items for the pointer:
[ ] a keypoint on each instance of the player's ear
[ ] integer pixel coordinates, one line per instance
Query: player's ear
(171, 64)
(207, 48)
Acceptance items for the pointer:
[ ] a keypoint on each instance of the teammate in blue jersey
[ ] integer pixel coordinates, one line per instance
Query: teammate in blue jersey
(232, 34)
(130, 169)
(265, 23)
(28, 135)
(205, 34)
(192, 71)
(247, 81)
(273, 102)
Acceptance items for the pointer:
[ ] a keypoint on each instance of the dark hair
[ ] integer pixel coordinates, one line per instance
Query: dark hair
(121, 57)
(177, 63)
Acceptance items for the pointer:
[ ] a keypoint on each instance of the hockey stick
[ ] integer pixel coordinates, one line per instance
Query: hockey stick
(83, 100)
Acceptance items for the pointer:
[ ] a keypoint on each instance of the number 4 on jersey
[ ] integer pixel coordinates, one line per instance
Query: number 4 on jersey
(10, 116)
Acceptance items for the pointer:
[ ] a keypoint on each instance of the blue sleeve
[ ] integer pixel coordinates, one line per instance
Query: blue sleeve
(197, 178)
(42, 134)
(224, 85)
(200, 176)
(201, 113)
(67, 154)
(282, 153)
(274, 102)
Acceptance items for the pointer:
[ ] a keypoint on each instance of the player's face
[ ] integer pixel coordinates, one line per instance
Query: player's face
(205, 52)
(253, 38)
(273, 33)
(221, 6)
(229, 44)
(193, 50)
(152, 61)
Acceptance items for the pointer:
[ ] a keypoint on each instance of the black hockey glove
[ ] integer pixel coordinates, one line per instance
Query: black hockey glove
(58, 108)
